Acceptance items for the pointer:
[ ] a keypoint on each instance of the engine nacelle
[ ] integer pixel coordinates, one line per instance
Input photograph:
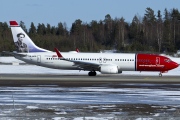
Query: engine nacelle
(109, 69)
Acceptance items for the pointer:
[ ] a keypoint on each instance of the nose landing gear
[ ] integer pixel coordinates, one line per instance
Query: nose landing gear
(160, 74)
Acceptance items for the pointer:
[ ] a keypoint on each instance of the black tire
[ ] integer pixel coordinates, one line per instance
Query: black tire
(92, 73)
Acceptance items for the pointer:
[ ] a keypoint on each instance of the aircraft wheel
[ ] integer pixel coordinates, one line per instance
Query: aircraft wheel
(160, 74)
(89, 73)
(92, 73)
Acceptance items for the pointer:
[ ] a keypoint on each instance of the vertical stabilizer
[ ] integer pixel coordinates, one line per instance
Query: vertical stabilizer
(22, 41)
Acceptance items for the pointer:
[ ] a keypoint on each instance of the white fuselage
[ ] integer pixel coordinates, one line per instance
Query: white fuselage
(125, 62)
(106, 63)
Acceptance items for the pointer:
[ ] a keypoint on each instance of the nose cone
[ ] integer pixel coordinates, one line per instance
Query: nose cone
(174, 65)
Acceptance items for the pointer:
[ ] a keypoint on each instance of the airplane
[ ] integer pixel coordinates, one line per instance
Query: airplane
(105, 63)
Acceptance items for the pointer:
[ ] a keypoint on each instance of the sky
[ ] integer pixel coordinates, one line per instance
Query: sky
(55, 11)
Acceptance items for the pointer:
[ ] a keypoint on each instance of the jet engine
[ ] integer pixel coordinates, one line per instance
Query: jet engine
(109, 69)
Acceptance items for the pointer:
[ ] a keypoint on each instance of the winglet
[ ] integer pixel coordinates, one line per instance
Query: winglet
(58, 53)
(77, 50)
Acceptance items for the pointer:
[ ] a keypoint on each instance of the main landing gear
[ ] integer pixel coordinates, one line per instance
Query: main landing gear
(92, 73)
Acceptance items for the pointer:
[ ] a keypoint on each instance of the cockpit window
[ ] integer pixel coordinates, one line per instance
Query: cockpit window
(167, 60)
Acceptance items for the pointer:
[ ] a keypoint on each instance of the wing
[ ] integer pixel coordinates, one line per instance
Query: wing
(86, 65)
(80, 64)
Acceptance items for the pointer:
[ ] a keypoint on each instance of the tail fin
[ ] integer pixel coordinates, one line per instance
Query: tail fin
(22, 41)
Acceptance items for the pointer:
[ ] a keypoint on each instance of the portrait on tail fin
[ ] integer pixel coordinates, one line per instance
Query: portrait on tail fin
(21, 47)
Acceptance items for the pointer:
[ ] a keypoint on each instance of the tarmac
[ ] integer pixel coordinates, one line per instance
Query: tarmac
(48, 96)
(80, 80)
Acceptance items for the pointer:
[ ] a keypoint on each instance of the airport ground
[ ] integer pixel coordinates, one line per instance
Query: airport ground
(106, 97)
(81, 80)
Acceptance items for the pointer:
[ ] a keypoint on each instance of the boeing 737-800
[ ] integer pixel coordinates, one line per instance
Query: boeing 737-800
(106, 63)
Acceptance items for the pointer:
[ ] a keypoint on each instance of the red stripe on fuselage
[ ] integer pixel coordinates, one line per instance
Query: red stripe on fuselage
(149, 62)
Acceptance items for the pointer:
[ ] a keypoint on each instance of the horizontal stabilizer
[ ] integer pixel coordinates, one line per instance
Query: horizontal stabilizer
(14, 54)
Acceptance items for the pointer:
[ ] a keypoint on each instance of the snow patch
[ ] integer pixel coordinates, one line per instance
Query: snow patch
(32, 107)
(60, 113)
(10, 60)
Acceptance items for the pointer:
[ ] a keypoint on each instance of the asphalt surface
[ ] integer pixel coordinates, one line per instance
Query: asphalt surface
(102, 96)
(80, 80)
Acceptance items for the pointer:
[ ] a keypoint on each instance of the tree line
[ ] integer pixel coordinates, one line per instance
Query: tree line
(153, 32)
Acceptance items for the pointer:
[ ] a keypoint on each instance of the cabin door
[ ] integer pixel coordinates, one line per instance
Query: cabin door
(157, 60)
(100, 60)
(38, 58)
